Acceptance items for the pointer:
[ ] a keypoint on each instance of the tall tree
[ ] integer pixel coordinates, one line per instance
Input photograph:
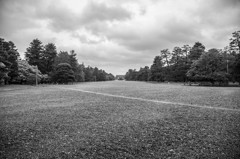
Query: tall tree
(8, 59)
(186, 50)
(196, 51)
(237, 69)
(13, 57)
(209, 67)
(49, 55)
(34, 54)
(157, 73)
(177, 55)
(101, 75)
(165, 55)
(73, 60)
(88, 71)
(12, 46)
(79, 74)
(4, 65)
(131, 75)
(6, 46)
(179, 64)
(143, 74)
(96, 74)
(62, 57)
(235, 42)
(234, 46)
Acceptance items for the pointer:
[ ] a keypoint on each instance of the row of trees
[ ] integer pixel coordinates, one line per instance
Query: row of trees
(44, 63)
(193, 64)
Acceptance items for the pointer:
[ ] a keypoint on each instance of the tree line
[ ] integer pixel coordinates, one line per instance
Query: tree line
(42, 62)
(193, 64)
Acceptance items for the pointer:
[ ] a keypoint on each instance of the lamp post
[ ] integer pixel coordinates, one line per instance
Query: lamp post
(36, 75)
(227, 65)
(226, 57)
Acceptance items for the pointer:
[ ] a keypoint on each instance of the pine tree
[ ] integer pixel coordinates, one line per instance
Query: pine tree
(49, 55)
(34, 54)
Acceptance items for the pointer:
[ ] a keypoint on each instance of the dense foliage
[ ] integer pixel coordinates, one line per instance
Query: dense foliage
(63, 73)
(27, 74)
(8, 61)
(44, 64)
(180, 65)
(193, 64)
(209, 67)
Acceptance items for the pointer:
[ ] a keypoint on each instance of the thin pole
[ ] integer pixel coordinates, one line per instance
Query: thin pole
(227, 66)
(36, 75)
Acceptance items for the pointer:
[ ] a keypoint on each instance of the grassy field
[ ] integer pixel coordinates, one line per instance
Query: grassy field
(66, 121)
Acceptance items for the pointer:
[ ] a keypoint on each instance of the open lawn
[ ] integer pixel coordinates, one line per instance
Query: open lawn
(119, 119)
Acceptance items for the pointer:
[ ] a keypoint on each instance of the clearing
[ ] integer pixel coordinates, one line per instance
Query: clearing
(119, 119)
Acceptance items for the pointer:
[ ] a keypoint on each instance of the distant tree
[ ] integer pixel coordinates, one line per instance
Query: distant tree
(179, 64)
(34, 54)
(208, 68)
(12, 46)
(62, 57)
(237, 68)
(196, 51)
(73, 60)
(48, 57)
(120, 78)
(229, 58)
(177, 55)
(131, 75)
(165, 56)
(186, 50)
(110, 77)
(95, 74)
(234, 56)
(101, 75)
(235, 42)
(143, 74)
(194, 63)
(156, 70)
(63, 73)
(6, 46)
(79, 74)
(88, 71)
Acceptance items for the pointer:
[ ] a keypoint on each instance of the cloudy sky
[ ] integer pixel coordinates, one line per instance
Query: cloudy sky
(116, 35)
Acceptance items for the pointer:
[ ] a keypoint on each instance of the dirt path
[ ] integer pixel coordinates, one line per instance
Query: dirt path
(154, 101)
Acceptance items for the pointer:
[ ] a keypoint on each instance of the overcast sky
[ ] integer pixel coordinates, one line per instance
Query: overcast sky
(116, 35)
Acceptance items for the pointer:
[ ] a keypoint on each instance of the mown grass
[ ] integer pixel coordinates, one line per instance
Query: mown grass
(49, 122)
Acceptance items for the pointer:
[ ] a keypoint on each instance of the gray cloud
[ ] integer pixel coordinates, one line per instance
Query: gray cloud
(207, 24)
(101, 12)
(15, 16)
(61, 18)
(119, 34)
(86, 40)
